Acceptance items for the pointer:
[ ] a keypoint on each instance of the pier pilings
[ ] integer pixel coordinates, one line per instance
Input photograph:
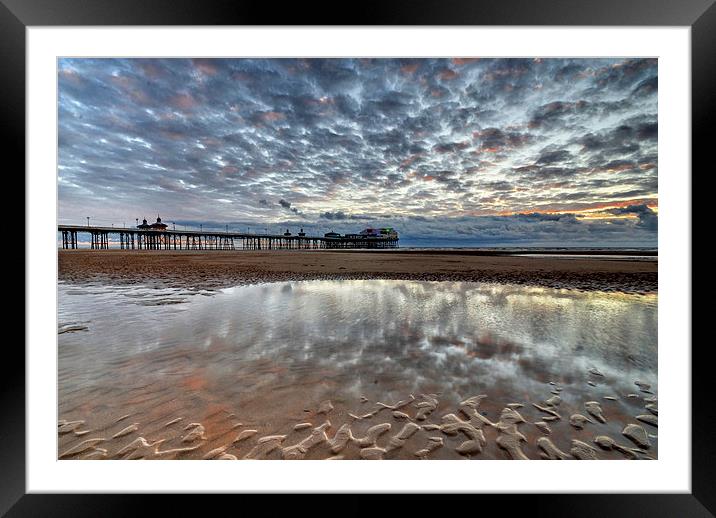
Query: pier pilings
(100, 238)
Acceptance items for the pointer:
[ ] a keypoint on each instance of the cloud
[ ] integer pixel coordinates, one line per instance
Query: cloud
(624, 74)
(288, 206)
(495, 140)
(338, 215)
(647, 87)
(450, 147)
(648, 219)
(556, 113)
(353, 139)
(553, 157)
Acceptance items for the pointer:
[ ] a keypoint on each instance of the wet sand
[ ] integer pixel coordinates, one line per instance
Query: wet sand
(416, 427)
(219, 269)
(171, 402)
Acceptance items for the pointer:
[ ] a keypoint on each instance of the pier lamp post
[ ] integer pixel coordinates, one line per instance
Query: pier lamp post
(137, 220)
(88, 220)
(227, 229)
(174, 226)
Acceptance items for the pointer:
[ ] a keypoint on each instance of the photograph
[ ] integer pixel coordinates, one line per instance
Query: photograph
(357, 258)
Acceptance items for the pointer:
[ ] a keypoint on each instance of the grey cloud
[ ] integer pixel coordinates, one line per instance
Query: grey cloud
(648, 219)
(553, 157)
(624, 74)
(342, 216)
(223, 139)
(647, 87)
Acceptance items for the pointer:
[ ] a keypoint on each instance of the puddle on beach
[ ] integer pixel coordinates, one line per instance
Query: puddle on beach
(355, 369)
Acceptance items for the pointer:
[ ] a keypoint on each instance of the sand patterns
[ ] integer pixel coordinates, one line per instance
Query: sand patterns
(418, 430)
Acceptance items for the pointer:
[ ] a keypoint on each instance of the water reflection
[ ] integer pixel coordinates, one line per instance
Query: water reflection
(272, 350)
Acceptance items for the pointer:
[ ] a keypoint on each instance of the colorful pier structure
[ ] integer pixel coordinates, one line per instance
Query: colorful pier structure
(158, 236)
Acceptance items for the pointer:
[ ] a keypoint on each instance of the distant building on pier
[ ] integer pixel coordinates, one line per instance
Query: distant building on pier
(374, 233)
(158, 225)
(386, 232)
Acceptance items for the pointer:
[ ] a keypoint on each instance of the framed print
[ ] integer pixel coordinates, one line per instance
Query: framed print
(422, 235)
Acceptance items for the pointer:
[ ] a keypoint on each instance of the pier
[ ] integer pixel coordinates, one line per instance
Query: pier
(141, 239)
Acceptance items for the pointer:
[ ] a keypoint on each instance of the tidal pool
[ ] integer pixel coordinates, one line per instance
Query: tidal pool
(269, 357)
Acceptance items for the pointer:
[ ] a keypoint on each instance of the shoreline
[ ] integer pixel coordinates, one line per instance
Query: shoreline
(222, 269)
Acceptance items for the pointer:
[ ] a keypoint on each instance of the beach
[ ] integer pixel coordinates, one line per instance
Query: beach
(355, 355)
(217, 269)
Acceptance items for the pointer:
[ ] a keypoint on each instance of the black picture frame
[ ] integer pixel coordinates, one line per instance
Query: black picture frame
(700, 15)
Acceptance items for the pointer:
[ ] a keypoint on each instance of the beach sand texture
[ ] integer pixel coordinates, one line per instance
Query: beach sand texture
(183, 416)
(215, 269)
(416, 427)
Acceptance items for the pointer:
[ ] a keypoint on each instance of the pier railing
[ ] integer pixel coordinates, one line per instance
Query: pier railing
(136, 239)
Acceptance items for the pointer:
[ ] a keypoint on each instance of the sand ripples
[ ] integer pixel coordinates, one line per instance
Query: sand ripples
(463, 431)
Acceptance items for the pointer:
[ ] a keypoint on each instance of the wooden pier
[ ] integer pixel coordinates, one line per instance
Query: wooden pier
(139, 239)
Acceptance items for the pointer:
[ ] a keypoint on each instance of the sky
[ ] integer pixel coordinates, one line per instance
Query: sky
(449, 151)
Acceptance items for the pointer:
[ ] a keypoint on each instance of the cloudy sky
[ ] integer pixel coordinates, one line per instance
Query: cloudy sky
(448, 151)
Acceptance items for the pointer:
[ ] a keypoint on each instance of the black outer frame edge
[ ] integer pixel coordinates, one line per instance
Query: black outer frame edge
(578, 505)
(370, 12)
(703, 108)
(701, 14)
(12, 146)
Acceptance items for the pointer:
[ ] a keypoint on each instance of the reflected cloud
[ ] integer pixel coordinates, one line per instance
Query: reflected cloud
(398, 337)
